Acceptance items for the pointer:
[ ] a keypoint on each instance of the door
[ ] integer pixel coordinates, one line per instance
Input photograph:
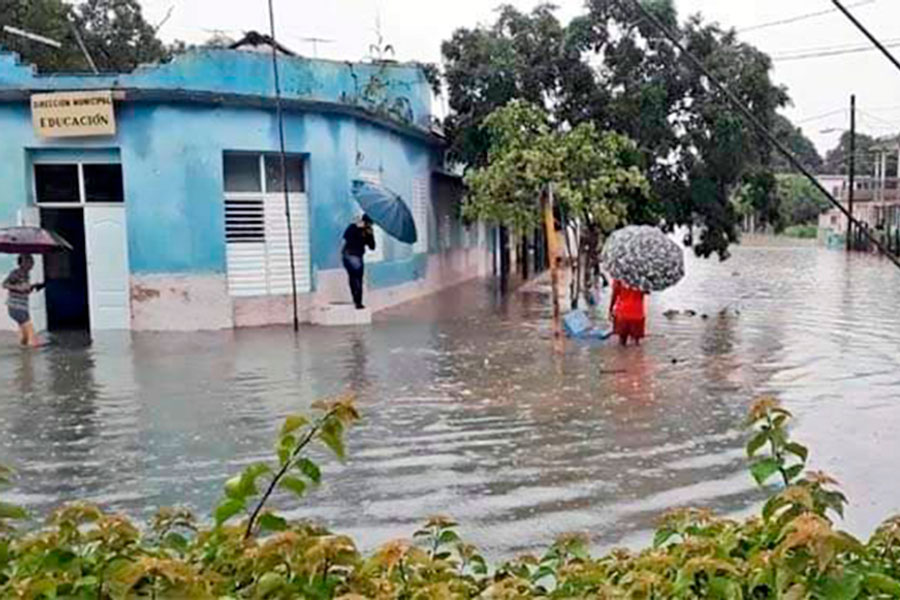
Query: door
(31, 217)
(109, 290)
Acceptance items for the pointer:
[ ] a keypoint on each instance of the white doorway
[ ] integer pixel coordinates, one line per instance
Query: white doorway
(87, 197)
(109, 290)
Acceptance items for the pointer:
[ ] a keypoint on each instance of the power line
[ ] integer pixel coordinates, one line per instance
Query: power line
(799, 18)
(826, 48)
(752, 119)
(832, 113)
(867, 33)
(831, 53)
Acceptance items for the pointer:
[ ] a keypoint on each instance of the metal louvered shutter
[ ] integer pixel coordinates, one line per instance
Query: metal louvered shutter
(245, 236)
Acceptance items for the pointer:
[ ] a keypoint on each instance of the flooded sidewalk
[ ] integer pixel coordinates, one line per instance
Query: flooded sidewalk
(466, 411)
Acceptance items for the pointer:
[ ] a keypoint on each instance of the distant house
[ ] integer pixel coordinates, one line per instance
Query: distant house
(167, 181)
(876, 198)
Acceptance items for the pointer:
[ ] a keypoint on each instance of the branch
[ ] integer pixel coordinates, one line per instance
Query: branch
(164, 19)
(284, 469)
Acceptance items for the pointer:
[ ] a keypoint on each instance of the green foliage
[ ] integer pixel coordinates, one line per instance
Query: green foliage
(837, 160)
(792, 551)
(612, 68)
(799, 145)
(595, 177)
(802, 232)
(800, 202)
(114, 31)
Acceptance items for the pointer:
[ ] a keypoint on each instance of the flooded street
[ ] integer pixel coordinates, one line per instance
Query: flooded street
(466, 411)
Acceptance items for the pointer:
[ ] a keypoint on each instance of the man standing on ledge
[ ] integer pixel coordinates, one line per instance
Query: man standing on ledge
(357, 237)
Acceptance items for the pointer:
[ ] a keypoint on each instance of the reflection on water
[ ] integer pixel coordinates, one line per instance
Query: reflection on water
(467, 412)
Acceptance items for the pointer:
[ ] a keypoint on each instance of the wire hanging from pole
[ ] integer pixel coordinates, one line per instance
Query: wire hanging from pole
(284, 179)
(753, 121)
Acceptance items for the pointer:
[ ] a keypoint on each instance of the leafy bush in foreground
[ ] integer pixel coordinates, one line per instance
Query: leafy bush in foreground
(791, 551)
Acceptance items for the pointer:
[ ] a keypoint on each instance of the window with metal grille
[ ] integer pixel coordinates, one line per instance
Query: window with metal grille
(256, 226)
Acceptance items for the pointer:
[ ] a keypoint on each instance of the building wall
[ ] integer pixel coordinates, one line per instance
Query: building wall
(172, 157)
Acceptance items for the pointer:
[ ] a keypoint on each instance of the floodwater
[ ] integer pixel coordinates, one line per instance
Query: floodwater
(467, 412)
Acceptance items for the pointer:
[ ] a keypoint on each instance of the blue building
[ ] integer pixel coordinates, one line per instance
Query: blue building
(172, 197)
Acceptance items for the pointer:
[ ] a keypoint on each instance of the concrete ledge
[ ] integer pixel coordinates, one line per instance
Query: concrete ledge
(180, 303)
(260, 311)
(340, 315)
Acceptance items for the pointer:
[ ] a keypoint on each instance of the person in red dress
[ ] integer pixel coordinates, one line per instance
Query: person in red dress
(626, 309)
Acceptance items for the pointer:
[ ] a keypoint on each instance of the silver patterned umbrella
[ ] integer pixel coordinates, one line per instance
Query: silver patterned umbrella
(643, 258)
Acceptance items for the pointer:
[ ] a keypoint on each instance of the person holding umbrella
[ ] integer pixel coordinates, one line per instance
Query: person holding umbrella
(357, 237)
(19, 287)
(641, 260)
(626, 311)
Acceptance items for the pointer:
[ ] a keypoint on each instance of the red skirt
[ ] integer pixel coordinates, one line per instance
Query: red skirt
(631, 328)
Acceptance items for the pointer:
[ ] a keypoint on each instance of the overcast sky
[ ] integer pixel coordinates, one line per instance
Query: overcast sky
(415, 28)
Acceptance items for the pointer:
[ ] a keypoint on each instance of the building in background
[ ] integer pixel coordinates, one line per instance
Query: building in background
(876, 200)
(167, 182)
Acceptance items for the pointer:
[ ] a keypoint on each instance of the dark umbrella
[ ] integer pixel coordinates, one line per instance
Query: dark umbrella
(643, 258)
(387, 209)
(31, 240)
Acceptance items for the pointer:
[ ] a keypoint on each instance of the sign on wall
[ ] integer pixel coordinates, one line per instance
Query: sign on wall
(73, 114)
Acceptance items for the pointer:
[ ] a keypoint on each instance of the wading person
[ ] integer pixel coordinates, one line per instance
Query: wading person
(357, 237)
(18, 287)
(626, 309)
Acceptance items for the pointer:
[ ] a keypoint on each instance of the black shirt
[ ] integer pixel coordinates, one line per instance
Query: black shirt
(356, 239)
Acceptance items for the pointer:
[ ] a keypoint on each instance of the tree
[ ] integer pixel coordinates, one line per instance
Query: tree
(837, 160)
(596, 180)
(522, 56)
(799, 145)
(612, 68)
(114, 31)
(801, 202)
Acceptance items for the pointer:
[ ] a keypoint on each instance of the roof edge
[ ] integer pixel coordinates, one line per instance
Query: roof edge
(177, 96)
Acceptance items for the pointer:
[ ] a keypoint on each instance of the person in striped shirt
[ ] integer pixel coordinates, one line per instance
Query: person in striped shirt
(19, 287)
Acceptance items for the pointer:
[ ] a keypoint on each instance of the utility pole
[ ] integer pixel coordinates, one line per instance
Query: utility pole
(851, 192)
(283, 156)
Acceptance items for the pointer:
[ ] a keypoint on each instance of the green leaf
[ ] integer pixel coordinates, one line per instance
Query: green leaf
(542, 572)
(89, 581)
(293, 484)
(233, 488)
(270, 522)
(11, 511)
(793, 472)
(771, 506)
(877, 583)
(724, 589)
(227, 509)
(756, 442)
(798, 450)
(285, 448)
(310, 469)
(479, 565)
(762, 470)
(177, 541)
(293, 423)
(332, 436)
(846, 587)
(448, 536)
(268, 584)
(662, 536)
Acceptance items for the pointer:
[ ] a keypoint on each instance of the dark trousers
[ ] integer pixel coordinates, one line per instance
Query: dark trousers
(355, 271)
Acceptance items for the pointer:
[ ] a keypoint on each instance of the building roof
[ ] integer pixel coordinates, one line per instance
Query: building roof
(393, 95)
